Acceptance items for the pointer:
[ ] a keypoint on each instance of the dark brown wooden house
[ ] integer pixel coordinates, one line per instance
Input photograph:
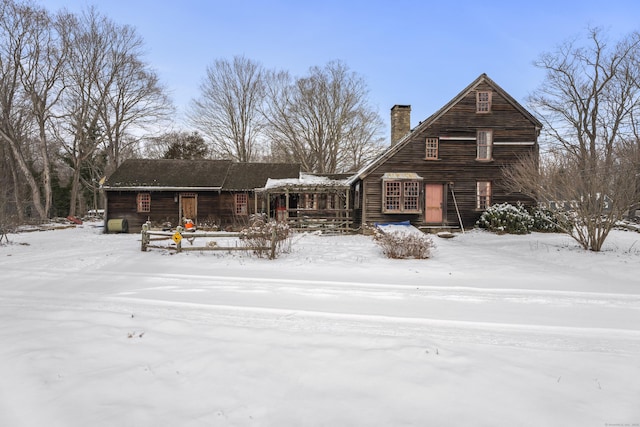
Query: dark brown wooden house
(449, 168)
(207, 192)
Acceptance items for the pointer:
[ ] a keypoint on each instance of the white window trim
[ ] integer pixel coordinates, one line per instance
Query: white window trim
(487, 103)
(403, 197)
(143, 206)
(457, 138)
(483, 201)
(515, 143)
(241, 203)
(431, 148)
(488, 145)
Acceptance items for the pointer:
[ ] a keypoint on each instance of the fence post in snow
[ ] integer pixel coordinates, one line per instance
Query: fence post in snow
(273, 244)
(145, 236)
(179, 229)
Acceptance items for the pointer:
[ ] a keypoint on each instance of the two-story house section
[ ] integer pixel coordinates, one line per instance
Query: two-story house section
(448, 169)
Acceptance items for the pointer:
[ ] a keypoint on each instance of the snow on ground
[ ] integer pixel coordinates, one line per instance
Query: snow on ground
(491, 331)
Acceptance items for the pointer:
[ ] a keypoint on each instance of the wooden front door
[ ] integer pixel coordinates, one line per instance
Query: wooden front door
(188, 206)
(433, 203)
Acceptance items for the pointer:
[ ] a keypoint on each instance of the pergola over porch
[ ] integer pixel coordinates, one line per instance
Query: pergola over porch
(309, 202)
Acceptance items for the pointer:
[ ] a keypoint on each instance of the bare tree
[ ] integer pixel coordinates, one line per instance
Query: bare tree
(31, 56)
(586, 103)
(555, 183)
(323, 120)
(364, 143)
(228, 110)
(110, 92)
(88, 78)
(630, 150)
(41, 72)
(70, 83)
(14, 117)
(135, 104)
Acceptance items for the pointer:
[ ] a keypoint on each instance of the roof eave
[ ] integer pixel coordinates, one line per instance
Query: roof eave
(158, 188)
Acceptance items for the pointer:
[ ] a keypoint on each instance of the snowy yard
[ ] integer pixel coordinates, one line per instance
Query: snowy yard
(491, 331)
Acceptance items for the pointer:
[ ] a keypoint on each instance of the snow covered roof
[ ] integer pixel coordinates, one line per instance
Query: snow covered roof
(306, 180)
(181, 175)
(402, 175)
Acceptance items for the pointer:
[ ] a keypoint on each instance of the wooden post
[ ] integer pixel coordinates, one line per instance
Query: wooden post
(145, 236)
(287, 206)
(273, 244)
(363, 206)
(255, 203)
(179, 229)
(347, 215)
(456, 205)
(268, 197)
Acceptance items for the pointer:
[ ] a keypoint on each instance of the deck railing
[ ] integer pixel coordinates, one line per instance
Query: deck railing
(330, 220)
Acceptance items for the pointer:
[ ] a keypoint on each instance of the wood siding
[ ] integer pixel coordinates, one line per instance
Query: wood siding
(212, 208)
(456, 167)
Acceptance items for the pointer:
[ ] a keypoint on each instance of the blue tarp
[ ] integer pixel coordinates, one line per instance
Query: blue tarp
(382, 224)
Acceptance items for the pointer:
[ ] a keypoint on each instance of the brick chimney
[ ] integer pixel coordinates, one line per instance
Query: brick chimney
(400, 122)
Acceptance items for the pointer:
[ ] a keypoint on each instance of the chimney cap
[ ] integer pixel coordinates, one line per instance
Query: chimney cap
(401, 106)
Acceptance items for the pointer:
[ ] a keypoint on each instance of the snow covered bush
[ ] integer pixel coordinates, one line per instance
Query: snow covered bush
(506, 218)
(267, 238)
(547, 221)
(400, 245)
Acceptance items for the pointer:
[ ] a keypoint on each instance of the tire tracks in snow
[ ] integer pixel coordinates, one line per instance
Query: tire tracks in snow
(451, 331)
(195, 298)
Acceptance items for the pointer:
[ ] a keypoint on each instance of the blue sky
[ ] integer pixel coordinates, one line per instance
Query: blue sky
(420, 53)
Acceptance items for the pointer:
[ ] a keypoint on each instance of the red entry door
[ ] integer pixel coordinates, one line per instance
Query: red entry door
(433, 203)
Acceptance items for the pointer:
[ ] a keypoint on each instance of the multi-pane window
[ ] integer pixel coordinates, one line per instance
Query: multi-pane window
(333, 201)
(483, 194)
(392, 196)
(143, 202)
(309, 201)
(411, 196)
(432, 149)
(485, 142)
(242, 204)
(401, 197)
(483, 102)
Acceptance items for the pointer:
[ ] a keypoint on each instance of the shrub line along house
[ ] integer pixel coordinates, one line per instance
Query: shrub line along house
(442, 174)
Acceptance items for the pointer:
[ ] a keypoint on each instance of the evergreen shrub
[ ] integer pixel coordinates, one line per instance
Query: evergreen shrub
(507, 219)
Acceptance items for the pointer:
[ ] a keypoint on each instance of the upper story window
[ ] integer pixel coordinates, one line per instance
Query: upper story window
(483, 101)
(484, 141)
(401, 195)
(143, 202)
(432, 149)
(242, 204)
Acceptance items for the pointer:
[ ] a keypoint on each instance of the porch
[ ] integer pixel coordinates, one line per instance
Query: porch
(309, 203)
